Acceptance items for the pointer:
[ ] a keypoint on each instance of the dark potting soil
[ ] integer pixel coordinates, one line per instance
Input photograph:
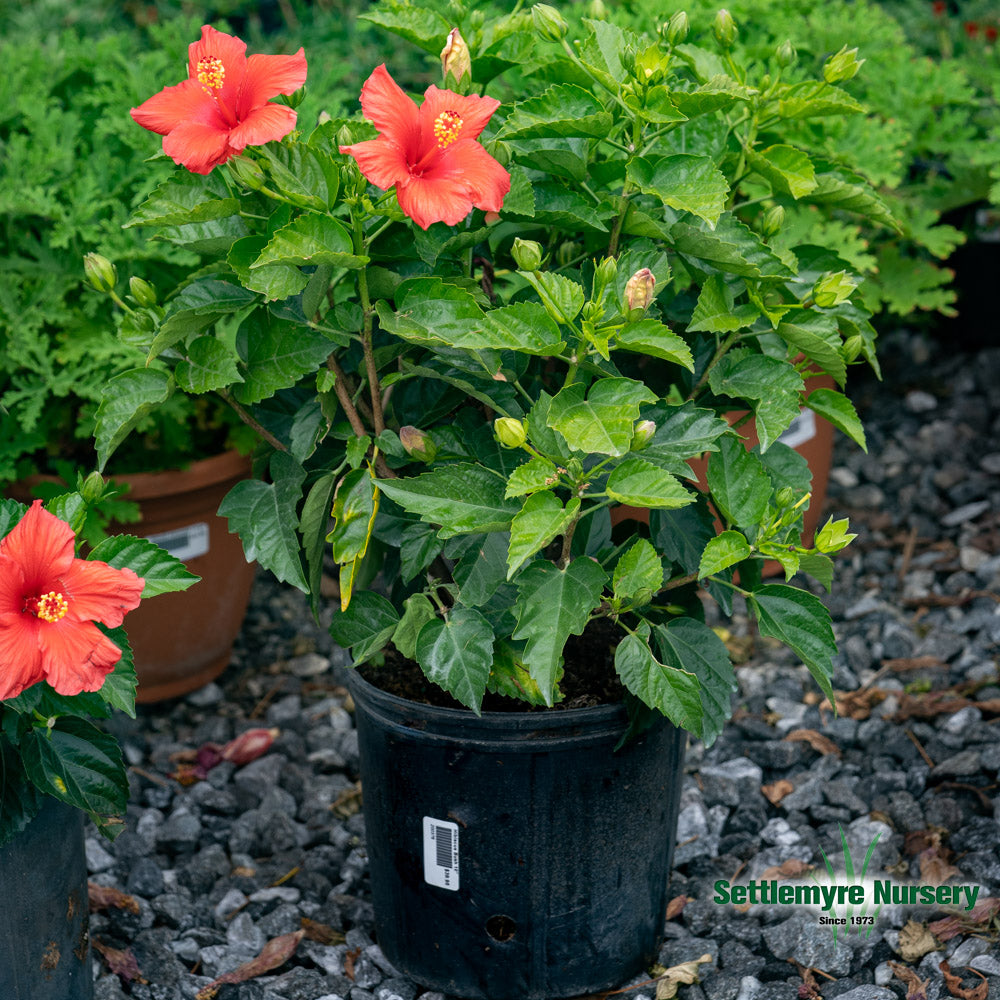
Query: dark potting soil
(589, 676)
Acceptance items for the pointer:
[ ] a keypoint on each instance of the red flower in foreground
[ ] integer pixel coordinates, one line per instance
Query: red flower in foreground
(49, 601)
(224, 105)
(430, 153)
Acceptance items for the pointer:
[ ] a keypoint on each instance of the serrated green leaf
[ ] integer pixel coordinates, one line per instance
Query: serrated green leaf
(119, 687)
(307, 175)
(536, 474)
(274, 282)
(642, 484)
(655, 106)
(482, 569)
(535, 525)
(716, 311)
(311, 239)
(457, 655)
(602, 420)
(839, 410)
(355, 505)
(561, 110)
(849, 192)
(681, 535)
(10, 513)
(127, 398)
(264, 516)
(723, 551)
(209, 296)
(684, 181)
(420, 546)
(184, 199)
(819, 567)
(462, 498)
(417, 612)
(553, 604)
(425, 28)
(19, 799)
(682, 432)
(800, 621)
(815, 335)
(509, 676)
(564, 207)
(562, 297)
(731, 247)
(650, 336)
(638, 573)
(312, 528)
(161, 572)
(366, 626)
(208, 364)
(720, 92)
(788, 169)
(431, 312)
(738, 483)
(816, 99)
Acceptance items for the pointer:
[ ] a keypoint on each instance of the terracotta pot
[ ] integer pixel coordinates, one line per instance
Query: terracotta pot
(183, 640)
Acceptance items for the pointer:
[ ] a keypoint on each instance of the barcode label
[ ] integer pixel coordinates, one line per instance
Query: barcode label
(800, 430)
(440, 853)
(184, 543)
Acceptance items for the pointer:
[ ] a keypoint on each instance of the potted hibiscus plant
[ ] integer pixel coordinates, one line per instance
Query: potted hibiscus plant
(465, 329)
(65, 660)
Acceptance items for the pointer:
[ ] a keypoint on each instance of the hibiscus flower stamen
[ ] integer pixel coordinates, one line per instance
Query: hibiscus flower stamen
(447, 126)
(211, 72)
(49, 607)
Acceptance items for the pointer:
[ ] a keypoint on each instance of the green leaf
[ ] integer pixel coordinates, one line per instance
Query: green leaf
(420, 546)
(723, 551)
(562, 297)
(535, 525)
(819, 567)
(681, 535)
(655, 106)
(787, 169)
(510, 678)
(462, 498)
(311, 239)
(850, 192)
(119, 687)
(19, 799)
(564, 207)
(78, 764)
(643, 484)
(839, 410)
(425, 28)
(162, 572)
(209, 364)
(127, 398)
(365, 626)
(686, 182)
(815, 335)
(417, 612)
(264, 516)
(308, 176)
(649, 336)
(561, 110)
(209, 296)
(721, 92)
(523, 326)
(686, 644)
(431, 312)
(800, 621)
(536, 474)
(10, 513)
(482, 569)
(716, 312)
(731, 248)
(355, 505)
(673, 691)
(739, 483)
(601, 51)
(815, 99)
(603, 421)
(312, 528)
(682, 432)
(457, 654)
(553, 604)
(184, 199)
(638, 573)
(274, 282)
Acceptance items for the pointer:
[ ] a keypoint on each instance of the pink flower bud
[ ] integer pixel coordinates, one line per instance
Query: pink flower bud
(455, 58)
(639, 290)
(249, 746)
(417, 443)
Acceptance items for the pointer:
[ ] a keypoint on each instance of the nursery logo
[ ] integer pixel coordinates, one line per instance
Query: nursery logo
(848, 902)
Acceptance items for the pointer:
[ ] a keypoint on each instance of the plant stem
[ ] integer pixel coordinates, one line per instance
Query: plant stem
(374, 389)
(250, 422)
(344, 396)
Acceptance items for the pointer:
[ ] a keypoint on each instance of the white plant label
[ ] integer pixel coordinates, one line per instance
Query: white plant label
(800, 430)
(184, 543)
(441, 853)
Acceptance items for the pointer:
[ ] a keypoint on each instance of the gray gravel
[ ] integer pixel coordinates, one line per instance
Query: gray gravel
(219, 867)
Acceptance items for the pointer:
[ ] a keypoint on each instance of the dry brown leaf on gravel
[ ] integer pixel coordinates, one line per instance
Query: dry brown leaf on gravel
(321, 933)
(675, 906)
(915, 941)
(349, 959)
(859, 704)
(934, 866)
(916, 988)
(822, 744)
(103, 897)
(275, 953)
(777, 790)
(975, 921)
(792, 868)
(956, 989)
(685, 974)
(121, 962)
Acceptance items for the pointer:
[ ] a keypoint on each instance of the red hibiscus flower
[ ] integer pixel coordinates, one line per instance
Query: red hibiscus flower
(971, 28)
(224, 105)
(430, 153)
(49, 601)
(939, 7)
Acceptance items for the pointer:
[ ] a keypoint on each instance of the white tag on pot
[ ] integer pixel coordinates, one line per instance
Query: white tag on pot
(184, 543)
(441, 853)
(800, 430)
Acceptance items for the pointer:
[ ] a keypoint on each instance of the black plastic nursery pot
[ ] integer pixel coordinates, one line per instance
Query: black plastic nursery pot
(44, 919)
(516, 854)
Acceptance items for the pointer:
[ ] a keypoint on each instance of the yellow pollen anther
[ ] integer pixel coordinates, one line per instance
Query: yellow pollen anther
(51, 607)
(211, 71)
(447, 126)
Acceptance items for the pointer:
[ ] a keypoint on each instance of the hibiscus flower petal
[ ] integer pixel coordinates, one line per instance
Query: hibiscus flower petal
(380, 160)
(188, 101)
(269, 123)
(474, 111)
(395, 115)
(41, 545)
(268, 76)
(76, 656)
(227, 49)
(197, 147)
(11, 587)
(429, 199)
(486, 182)
(98, 592)
(20, 657)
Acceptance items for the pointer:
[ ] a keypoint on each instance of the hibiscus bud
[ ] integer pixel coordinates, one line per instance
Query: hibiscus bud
(842, 66)
(833, 288)
(100, 272)
(247, 172)
(249, 746)
(417, 443)
(142, 291)
(92, 488)
(642, 434)
(294, 99)
(455, 58)
(724, 28)
(834, 536)
(548, 22)
(784, 496)
(786, 54)
(323, 117)
(491, 218)
(604, 274)
(510, 432)
(639, 290)
(852, 348)
(772, 220)
(597, 10)
(527, 254)
(677, 27)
